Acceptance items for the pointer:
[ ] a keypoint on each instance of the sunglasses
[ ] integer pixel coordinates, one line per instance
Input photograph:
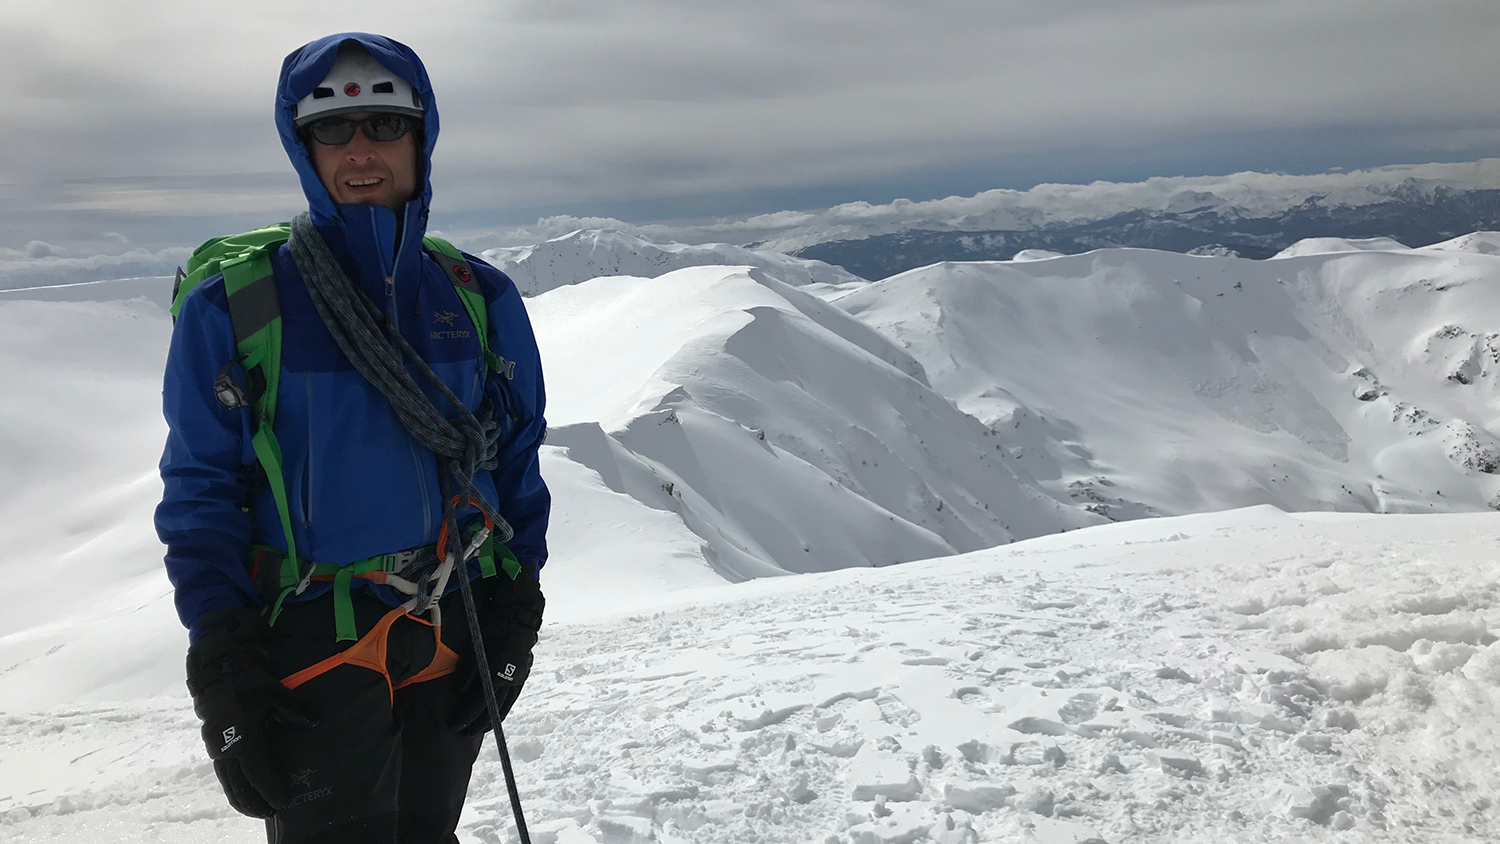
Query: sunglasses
(383, 128)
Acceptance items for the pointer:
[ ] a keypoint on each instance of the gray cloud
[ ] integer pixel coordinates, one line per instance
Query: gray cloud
(661, 105)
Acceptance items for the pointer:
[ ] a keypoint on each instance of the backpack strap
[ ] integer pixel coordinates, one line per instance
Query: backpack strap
(461, 274)
(255, 313)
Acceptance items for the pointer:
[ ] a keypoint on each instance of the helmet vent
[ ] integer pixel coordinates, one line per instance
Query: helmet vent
(383, 88)
(322, 93)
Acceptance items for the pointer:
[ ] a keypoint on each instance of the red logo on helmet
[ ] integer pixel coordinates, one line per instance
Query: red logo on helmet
(461, 271)
(351, 90)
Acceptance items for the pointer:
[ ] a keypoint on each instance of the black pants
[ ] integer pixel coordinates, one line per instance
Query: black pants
(381, 766)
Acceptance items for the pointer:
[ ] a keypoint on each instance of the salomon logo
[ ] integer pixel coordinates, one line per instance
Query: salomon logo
(509, 673)
(230, 737)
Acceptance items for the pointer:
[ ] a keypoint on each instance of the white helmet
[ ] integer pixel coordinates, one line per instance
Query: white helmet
(357, 82)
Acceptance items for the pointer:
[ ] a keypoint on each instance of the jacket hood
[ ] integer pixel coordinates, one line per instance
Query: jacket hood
(305, 68)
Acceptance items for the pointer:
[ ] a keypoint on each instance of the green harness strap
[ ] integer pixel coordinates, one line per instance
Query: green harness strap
(343, 578)
(255, 312)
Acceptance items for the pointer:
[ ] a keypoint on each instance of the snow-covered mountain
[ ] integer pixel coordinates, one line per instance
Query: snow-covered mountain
(785, 433)
(1146, 382)
(1414, 212)
(585, 254)
(1245, 676)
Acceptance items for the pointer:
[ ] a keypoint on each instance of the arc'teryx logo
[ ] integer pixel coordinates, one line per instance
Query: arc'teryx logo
(445, 317)
(303, 777)
(230, 737)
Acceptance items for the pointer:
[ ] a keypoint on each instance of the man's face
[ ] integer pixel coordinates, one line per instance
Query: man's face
(366, 172)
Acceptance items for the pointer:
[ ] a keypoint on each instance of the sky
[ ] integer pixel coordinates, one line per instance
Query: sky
(148, 125)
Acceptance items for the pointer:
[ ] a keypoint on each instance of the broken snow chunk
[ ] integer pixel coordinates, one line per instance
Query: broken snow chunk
(527, 749)
(1440, 657)
(976, 752)
(1340, 719)
(768, 718)
(1458, 628)
(626, 829)
(875, 774)
(901, 825)
(1038, 801)
(1039, 727)
(933, 757)
(1226, 740)
(800, 793)
(1034, 753)
(1138, 738)
(839, 749)
(1484, 666)
(1318, 804)
(951, 830)
(1110, 764)
(1317, 641)
(1315, 742)
(1175, 763)
(1174, 673)
(977, 797)
(1280, 725)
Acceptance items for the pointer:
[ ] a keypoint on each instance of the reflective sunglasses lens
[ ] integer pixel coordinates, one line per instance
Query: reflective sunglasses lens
(386, 127)
(333, 131)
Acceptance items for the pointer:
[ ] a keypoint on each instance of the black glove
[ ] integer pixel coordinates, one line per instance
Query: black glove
(510, 616)
(237, 698)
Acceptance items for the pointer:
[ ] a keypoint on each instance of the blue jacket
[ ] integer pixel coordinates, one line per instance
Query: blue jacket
(358, 484)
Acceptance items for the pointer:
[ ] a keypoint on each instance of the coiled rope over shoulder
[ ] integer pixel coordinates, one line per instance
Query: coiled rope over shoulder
(373, 344)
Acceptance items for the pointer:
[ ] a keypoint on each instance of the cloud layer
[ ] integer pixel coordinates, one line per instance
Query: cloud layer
(669, 108)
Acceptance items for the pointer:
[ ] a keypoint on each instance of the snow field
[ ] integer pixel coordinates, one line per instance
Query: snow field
(1155, 685)
(1247, 676)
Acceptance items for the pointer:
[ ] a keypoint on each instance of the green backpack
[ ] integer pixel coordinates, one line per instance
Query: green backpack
(255, 312)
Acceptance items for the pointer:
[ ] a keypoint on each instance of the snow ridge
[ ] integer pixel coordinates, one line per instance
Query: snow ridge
(581, 255)
(1352, 376)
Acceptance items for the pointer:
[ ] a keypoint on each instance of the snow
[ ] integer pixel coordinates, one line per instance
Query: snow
(1139, 382)
(581, 255)
(1035, 255)
(1326, 245)
(1244, 676)
(1481, 243)
(729, 653)
(1243, 195)
(788, 435)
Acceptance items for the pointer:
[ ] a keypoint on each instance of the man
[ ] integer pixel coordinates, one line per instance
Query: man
(342, 708)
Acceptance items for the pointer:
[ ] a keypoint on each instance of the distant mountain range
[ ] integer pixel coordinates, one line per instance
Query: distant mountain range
(1412, 214)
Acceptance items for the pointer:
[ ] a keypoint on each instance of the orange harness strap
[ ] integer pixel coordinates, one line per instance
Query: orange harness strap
(370, 652)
